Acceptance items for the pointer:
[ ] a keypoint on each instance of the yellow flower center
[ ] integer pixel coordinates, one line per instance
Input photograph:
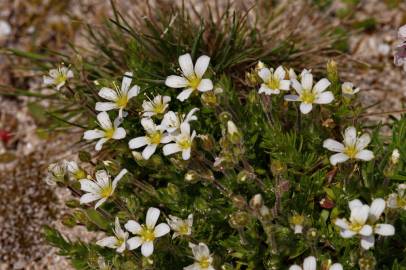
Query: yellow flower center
(308, 96)
(273, 82)
(119, 242)
(351, 151)
(297, 219)
(184, 229)
(185, 144)
(159, 108)
(147, 234)
(401, 202)
(194, 82)
(122, 101)
(60, 78)
(155, 138)
(355, 227)
(109, 133)
(106, 191)
(204, 263)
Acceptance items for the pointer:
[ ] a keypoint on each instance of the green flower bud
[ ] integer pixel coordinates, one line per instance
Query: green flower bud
(73, 203)
(84, 156)
(239, 219)
(332, 71)
(68, 220)
(80, 217)
(244, 176)
(225, 117)
(239, 201)
(233, 134)
(192, 177)
(367, 263)
(209, 99)
(277, 167)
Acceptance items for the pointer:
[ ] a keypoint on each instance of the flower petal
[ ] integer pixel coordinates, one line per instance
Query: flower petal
(137, 142)
(324, 98)
(161, 230)
(176, 81)
(366, 230)
(100, 202)
(202, 63)
(133, 227)
(104, 120)
(118, 177)
(342, 223)
(291, 98)
(365, 155)
(134, 242)
(186, 64)
(355, 203)
(107, 242)
(147, 249)
(100, 143)
(376, 209)
(347, 233)
(367, 242)
(297, 86)
(89, 186)
(295, 267)
(360, 214)
(336, 266)
(119, 133)
(171, 148)
(384, 229)
(284, 85)
(264, 89)
(149, 151)
(321, 85)
(93, 134)
(105, 106)
(186, 154)
(307, 81)
(305, 108)
(363, 141)
(185, 94)
(350, 136)
(108, 93)
(126, 82)
(309, 263)
(264, 74)
(333, 145)
(205, 85)
(338, 158)
(152, 217)
(280, 73)
(89, 197)
(134, 91)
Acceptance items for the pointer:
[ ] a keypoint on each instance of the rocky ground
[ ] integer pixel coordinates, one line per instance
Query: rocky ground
(26, 203)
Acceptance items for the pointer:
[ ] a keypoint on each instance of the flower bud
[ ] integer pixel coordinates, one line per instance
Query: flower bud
(332, 71)
(233, 133)
(244, 176)
(207, 142)
(259, 65)
(256, 202)
(209, 99)
(192, 177)
(395, 157)
(68, 220)
(72, 203)
(80, 217)
(225, 117)
(277, 167)
(239, 201)
(84, 156)
(367, 263)
(312, 234)
(239, 219)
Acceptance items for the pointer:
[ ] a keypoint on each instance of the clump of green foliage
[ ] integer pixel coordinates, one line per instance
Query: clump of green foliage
(258, 168)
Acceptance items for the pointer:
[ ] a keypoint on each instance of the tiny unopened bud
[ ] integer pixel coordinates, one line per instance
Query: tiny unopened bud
(191, 176)
(292, 74)
(68, 220)
(260, 65)
(225, 117)
(332, 71)
(239, 201)
(257, 201)
(207, 142)
(209, 99)
(239, 219)
(367, 263)
(84, 156)
(265, 212)
(311, 234)
(233, 133)
(137, 155)
(395, 156)
(72, 203)
(243, 176)
(277, 167)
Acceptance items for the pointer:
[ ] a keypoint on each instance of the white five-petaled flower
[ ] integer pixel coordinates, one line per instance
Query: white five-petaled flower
(363, 222)
(180, 226)
(155, 136)
(118, 97)
(172, 121)
(58, 76)
(348, 89)
(109, 131)
(353, 147)
(308, 94)
(398, 199)
(310, 263)
(158, 106)
(101, 189)
(192, 79)
(146, 234)
(183, 142)
(118, 242)
(202, 256)
(273, 81)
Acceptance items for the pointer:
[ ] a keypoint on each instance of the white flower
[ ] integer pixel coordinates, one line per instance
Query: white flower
(109, 131)
(157, 106)
(155, 135)
(74, 170)
(118, 242)
(202, 256)
(395, 156)
(118, 97)
(180, 226)
(58, 76)
(101, 189)
(146, 233)
(273, 82)
(398, 200)
(309, 94)
(172, 121)
(353, 147)
(56, 173)
(347, 88)
(363, 222)
(192, 78)
(310, 263)
(183, 142)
